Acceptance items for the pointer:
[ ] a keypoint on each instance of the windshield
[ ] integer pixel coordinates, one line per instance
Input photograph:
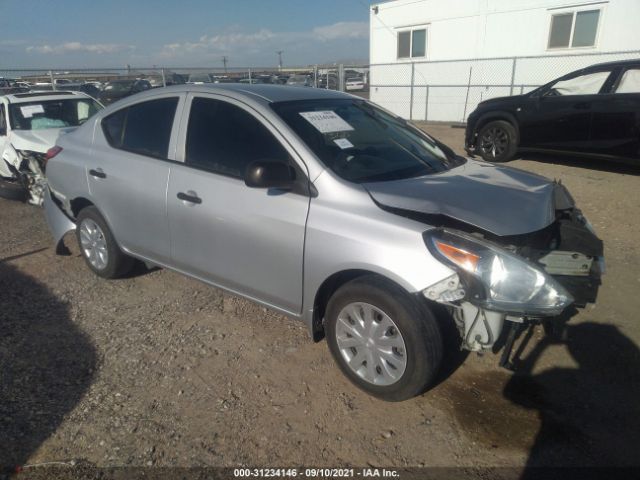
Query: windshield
(119, 86)
(362, 143)
(51, 113)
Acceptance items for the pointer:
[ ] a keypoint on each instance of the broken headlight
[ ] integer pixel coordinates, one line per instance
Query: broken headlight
(497, 279)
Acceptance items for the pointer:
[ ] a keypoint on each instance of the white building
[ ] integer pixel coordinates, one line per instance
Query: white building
(436, 59)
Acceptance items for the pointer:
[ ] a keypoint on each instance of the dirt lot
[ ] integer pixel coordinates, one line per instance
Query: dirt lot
(158, 369)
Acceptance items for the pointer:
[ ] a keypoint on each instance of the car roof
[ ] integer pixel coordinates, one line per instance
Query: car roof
(43, 96)
(618, 63)
(259, 91)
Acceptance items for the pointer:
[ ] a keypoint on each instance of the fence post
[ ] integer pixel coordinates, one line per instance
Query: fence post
(53, 82)
(466, 98)
(341, 77)
(513, 75)
(315, 76)
(426, 105)
(249, 76)
(413, 75)
(164, 81)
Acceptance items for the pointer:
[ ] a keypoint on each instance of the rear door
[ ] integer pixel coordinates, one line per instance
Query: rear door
(559, 117)
(247, 240)
(128, 173)
(615, 129)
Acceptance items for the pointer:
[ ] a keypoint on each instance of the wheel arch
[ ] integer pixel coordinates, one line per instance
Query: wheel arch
(78, 204)
(330, 285)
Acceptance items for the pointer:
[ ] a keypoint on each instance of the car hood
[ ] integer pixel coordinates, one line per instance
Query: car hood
(501, 200)
(37, 140)
(498, 100)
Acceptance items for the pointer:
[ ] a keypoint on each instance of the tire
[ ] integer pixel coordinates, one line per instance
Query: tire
(13, 190)
(406, 330)
(98, 245)
(497, 141)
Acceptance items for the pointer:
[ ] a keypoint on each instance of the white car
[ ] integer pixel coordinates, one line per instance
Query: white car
(30, 124)
(354, 84)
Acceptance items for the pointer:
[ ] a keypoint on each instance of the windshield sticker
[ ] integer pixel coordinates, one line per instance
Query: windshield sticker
(327, 121)
(29, 110)
(343, 143)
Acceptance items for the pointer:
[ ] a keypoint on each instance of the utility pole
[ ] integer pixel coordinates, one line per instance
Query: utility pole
(224, 62)
(280, 52)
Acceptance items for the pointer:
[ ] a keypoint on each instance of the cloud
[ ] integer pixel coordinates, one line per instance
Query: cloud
(263, 40)
(342, 30)
(73, 47)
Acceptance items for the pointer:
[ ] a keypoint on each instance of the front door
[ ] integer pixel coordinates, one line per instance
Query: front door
(247, 240)
(559, 118)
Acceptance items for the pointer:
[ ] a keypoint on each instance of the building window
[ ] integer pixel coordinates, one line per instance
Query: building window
(412, 43)
(574, 30)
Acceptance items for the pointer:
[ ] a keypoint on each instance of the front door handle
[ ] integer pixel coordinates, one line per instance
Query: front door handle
(190, 197)
(97, 173)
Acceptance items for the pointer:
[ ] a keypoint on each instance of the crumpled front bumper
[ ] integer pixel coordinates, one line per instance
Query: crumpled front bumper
(59, 223)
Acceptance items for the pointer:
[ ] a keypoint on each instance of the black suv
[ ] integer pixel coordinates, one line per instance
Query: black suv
(593, 112)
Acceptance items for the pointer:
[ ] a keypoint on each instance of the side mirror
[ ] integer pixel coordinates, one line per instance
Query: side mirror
(269, 174)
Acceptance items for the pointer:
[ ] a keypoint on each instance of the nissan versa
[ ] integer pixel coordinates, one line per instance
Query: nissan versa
(328, 209)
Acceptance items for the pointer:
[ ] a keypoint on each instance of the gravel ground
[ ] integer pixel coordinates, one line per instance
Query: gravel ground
(161, 370)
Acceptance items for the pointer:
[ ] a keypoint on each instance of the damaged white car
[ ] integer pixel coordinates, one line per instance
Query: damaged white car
(30, 124)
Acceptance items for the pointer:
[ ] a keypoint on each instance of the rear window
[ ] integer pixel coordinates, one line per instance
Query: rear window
(62, 113)
(362, 143)
(143, 128)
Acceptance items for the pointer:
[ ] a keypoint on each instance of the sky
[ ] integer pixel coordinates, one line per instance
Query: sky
(181, 33)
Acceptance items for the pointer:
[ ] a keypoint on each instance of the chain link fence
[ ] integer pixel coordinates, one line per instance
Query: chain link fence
(448, 91)
(352, 78)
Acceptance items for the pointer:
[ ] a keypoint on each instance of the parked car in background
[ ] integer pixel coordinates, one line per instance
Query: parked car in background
(328, 81)
(592, 112)
(300, 81)
(30, 124)
(354, 84)
(328, 209)
(117, 89)
(88, 88)
(8, 85)
(199, 78)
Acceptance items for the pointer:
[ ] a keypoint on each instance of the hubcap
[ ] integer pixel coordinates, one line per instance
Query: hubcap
(93, 243)
(494, 142)
(371, 344)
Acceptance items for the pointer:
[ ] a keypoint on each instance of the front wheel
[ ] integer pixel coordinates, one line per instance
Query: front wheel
(497, 141)
(384, 340)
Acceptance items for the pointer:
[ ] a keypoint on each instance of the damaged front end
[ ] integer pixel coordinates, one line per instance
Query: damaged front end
(503, 283)
(522, 251)
(27, 168)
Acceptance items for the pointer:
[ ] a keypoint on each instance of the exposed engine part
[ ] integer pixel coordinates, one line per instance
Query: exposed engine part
(567, 263)
(479, 328)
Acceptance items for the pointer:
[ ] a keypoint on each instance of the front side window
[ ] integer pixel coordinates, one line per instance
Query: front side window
(589, 84)
(412, 43)
(225, 139)
(143, 128)
(574, 29)
(44, 114)
(630, 81)
(362, 143)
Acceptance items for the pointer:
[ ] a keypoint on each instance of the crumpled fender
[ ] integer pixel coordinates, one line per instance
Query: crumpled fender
(9, 157)
(59, 223)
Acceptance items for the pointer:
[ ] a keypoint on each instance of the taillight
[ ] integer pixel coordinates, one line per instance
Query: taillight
(52, 152)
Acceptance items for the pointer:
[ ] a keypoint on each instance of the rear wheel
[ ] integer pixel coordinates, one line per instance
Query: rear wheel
(98, 246)
(497, 141)
(384, 340)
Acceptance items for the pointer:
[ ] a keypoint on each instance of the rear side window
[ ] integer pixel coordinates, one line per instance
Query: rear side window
(630, 82)
(225, 139)
(144, 128)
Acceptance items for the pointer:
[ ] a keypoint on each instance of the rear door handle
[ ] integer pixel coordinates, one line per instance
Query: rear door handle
(97, 173)
(190, 197)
